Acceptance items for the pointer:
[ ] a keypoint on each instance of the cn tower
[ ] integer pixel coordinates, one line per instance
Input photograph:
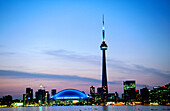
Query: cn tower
(103, 47)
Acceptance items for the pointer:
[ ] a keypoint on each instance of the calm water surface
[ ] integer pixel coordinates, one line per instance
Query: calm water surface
(89, 108)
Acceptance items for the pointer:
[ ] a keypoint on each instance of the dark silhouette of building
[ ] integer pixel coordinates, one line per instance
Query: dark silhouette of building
(138, 96)
(7, 100)
(144, 96)
(53, 92)
(28, 97)
(1, 101)
(116, 96)
(129, 91)
(92, 94)
(111, 97)
(29, 93)
(103, 47)
(47, 97)
(99, 90)
(98, 98)
(24, 99)
(40, 96)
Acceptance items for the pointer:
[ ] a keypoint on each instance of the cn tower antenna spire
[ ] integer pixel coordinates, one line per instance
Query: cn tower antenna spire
(103, 31)
(103, 19)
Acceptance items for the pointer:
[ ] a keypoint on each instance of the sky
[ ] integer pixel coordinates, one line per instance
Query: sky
(56, 43)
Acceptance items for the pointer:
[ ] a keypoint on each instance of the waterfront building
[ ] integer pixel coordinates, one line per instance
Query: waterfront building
(29, 94)
(116, 96)
(92, 94)
(53, 92)
(24, 99)
(40, 96)
(129, 91)
(6, 100)
(98, 99)
(144, 96)
(99, 90)
(160, 95)
(28, 97)
(111, 97)
(47, 97)
(138, 96)
(0, 101)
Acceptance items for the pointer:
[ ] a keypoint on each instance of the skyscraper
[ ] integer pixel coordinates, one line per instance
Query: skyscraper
(29, 93)
(40, 96)
(103, 47)
(53, 92)
(129, 91)
(92, 94)
(28, 97)
(145, 96)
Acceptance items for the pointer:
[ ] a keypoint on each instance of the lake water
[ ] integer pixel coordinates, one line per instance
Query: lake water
(89, 108)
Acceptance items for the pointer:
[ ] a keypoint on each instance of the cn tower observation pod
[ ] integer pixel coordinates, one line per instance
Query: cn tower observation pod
(70, 94)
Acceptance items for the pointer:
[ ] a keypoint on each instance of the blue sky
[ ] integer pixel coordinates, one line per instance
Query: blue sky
(62, 38)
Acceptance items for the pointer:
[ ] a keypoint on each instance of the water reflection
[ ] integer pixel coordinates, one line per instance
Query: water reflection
(40, 108)
(125, 108)
(46, 108)
(105, 108)
(89, 108)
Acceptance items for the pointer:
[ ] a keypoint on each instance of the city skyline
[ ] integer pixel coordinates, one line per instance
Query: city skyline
(56, 43)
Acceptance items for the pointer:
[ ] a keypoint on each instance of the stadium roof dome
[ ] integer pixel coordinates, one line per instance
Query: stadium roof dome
(70, 94)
